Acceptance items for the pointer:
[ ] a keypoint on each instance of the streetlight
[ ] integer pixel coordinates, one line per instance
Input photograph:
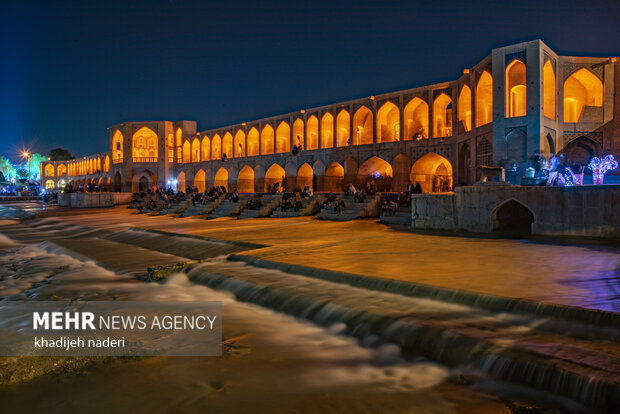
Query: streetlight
(26, 155)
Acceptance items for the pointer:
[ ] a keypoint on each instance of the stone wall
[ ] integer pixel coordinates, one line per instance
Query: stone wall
(433, 212)
(87, 200)
(589, 211)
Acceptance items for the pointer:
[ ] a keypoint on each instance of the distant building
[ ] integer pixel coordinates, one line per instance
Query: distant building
(519, 102)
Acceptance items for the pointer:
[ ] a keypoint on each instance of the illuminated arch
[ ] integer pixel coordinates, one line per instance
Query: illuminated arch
(375, 166)
(179, 137)
(181, 181)
(266, 140)
(516, 90)
(327, 130)
(186, 152)
(49, 185)
(298, 132)
(227, 145)
(362, 126)
(245, 180)
(253, 142)
(99, 164)
(179, 142)
(49, 170)
(581, 89)
(549, 90)
(415, 116)
(304, 176)
(196, 150)
(206, 149)
(388, 123)
(274, 174)
(200, 181)
(221, 178)
(216, 147)
(484, 99)
(239, 144)
(106, 164)
(442, 116)
(283, 138)
(312, 133)
(62, 169)
(433, 172)
(144, 145)
(464, 108)
(90, 166)
(117, 146)
(343, 133)
(334, 178)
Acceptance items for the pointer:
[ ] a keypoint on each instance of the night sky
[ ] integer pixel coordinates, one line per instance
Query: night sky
(70, 69)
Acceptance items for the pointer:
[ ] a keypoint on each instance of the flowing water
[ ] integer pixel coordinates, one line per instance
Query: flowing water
(295, 342)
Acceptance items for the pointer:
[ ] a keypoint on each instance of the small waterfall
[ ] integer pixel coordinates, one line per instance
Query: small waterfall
(370, 318)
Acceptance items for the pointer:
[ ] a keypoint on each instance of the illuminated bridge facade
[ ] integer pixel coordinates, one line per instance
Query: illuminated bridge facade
(520, 101)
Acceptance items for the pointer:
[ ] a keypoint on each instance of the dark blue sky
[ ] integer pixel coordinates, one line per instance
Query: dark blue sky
(70, 69)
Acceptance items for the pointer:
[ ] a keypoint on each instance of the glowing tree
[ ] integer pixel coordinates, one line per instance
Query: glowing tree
(600, 166)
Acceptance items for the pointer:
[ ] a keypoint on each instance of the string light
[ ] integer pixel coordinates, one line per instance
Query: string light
(600, 166)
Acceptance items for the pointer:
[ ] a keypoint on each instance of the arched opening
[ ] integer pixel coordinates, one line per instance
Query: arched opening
(240, 144)
(179, 143)
(433, 172)
(388, 123)
(221, 178)
(216, 147)
(106, 164)
(62, 169)
(245, 180)
(549, 90)
(227, 145)
(484, 99)
(415, 117)
(200, 181)
(118, 182)
(253, 142)
(402, 171)
(582, 89)
(378, 170)
(304, 176)
(181, 182)
(334, 178)
(196, 150)
(442, 116)
(50, 185)
(144, 145)
(312, 133)
(327, 130)
(283, 138)
(266, 138)
(362, 126)
(516, 104)
(187, 156)
(274, 174)
(142, 181)
(342, 128)
(298, 133)
(464, 108)
(98, 165)
(117, 146)
(512, 218)
(206, 149)
(62, 184)
(547, 146)
(580, 151)
(49, 170)
(464, 164)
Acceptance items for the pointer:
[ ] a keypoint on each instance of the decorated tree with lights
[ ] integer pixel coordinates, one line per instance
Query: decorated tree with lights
(600, 166)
